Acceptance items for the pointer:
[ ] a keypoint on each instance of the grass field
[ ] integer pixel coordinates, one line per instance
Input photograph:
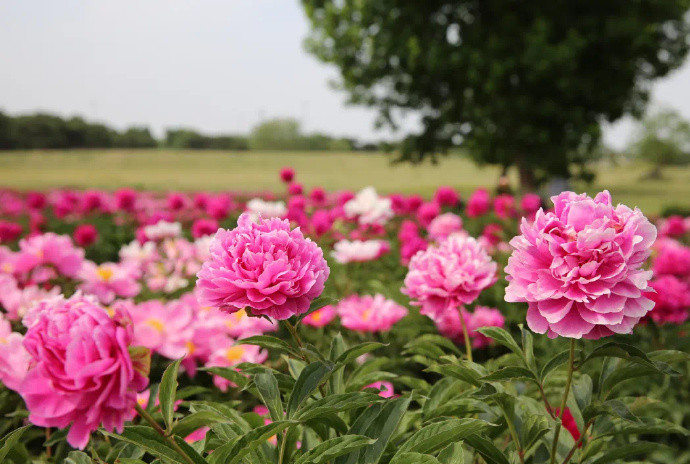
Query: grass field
(255, 171)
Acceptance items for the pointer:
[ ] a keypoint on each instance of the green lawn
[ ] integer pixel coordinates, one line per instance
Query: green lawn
(252, 171)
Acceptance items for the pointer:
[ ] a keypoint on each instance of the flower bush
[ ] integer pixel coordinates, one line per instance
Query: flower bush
(340, 327)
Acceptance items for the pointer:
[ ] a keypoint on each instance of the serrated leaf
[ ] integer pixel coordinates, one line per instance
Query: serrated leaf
(308, 381)
(167, 391)
(438, 435)
(267, 385)
(334, 404)
(331, 449)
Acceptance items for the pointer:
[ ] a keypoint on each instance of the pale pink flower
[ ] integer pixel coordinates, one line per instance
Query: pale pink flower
(17, 301)
(14, 359)
(385, 389)
(48, 255)
(231, 354)
(321, 317)
(258, 208)
(369, 313)
(369, 208)
(108, 281)
(346, 251)
(580, 267)
(165, 328)
(162, 230)
(447, 276)
(441, 227)
(84, 372)
(267, 267)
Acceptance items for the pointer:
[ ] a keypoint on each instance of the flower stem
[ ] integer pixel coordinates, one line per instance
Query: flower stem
(173, 444)
(293, 331)
(578, 442)
(281, 456)
(557, 432)
(468, 342)
(513, 434)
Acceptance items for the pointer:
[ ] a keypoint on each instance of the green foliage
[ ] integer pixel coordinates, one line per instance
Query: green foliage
(524, 86)
(664, 140)
(285, 134)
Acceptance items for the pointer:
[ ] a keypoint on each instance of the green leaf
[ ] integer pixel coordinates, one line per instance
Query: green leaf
(309, 380)
(528, 348)
(630, 449)
(331, 449)
(267, 385)
(10, 440)
(614, 408)
(413, 458)
(510, 373)
(356, 351)
(228, 373)
(192, 390)
(438, 435)
(270, 343)
(167, 391)
(487, 449)
(452, 454)
(533, 429)
(553, 363)
(124, 461)
(503, 337)
(645, 425)
(149, 440)
(464, 370)
(336, 381)
(196, 420)
(629, 353)
(383, 428)
(233, 451)
(78, 457)
(334, 404)
(456, 407)
(582, 391)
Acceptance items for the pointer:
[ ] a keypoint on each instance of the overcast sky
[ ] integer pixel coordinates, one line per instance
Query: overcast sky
(214, 65)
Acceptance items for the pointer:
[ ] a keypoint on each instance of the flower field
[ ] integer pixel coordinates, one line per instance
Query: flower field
(316, 326)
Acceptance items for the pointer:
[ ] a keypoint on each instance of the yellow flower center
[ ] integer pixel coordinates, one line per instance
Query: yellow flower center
(104, 273)
(234, 353)
(110, 311)
(3, 341)
(7, 268)
(156, 324)
(366, 315)
(317, 316)
(190, 347)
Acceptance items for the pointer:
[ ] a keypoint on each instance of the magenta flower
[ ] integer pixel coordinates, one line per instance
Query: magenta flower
(446, 196)
(672, 258)
(427, 212)
(203, 227)
(385, 389)
(287, 174)
(369, 313)
(580, 267)
(450, 275)
(267, 267)
(530, 203)
(673, 226)
(449, 324)
(84, 371)
(9, 231)
(478, 203)
(504, 206)
(85, 235)
(672, 300)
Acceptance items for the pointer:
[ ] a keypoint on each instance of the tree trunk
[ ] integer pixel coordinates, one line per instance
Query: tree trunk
(528, 183)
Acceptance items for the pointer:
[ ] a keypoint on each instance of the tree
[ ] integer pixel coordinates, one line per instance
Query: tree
(663, 140)
(522, 83)
(276, 134)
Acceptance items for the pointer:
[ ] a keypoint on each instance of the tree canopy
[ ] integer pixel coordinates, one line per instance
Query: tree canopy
(523, 83)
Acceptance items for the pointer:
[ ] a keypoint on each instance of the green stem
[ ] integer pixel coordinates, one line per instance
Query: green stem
(293, 331)
(514, 435)
(147, 417)
(281, 456)
(578, 442)
(571, 368)
(468, 342)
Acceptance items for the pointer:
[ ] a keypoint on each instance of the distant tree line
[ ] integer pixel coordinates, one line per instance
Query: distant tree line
(47, 131)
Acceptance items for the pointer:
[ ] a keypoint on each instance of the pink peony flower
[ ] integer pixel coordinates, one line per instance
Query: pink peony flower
(447, 276)
(287, 174)
(580, 267)
(14, 359)
(427, 212)
(446, 196)
(504, 206)
(318, 195)
(9, 231)
(531, 202)
(177, 201)
(18, 301)
(385, 389)
(411, 247)
(569, 423)
(36, 200)
(125, 199)
(321, 222)
(295, 188)
(673, 226)
(671, 300)
(449, 324)
(42, 255)
(441, 227)
(163, 328)
(369, 313)
(478, 203)
(672, 258)
(203, 227)
(267, 267)
(85, 235)
(320, 317)
(108, 280)
(346, 251)
(84, 371)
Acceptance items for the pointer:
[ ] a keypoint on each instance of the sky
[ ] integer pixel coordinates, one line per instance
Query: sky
(219, 66)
